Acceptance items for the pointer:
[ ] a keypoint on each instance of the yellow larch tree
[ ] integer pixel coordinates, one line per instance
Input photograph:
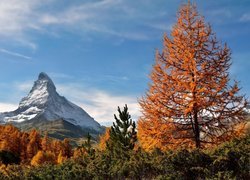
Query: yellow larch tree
(43, 157)
(190, 102)
(34, 144)
(45, 143)
(10, 139)
(24, 142)
(103, 139)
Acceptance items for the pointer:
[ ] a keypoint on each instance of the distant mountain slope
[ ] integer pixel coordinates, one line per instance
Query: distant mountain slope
(58, 129)
(44, 108)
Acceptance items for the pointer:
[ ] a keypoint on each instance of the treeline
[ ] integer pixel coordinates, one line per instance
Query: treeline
(118, 156)
(229, 161)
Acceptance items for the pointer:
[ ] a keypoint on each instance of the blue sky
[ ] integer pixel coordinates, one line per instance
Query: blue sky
(99, 52)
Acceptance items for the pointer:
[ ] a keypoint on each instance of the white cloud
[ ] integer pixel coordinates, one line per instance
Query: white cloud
(94, 17)
(16, 18)
(20, 20)
(14, 54)
(115, 78)
(221, 13)
(4, 107)
(99, 104)
(161, 26)
(245, 17)
(60, 75)
(23, 87)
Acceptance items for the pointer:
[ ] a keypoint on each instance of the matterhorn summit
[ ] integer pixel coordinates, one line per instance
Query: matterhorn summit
(44, 103)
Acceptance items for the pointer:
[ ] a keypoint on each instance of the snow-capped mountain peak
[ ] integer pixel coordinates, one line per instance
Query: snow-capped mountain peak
(44, 102)
(40, 92)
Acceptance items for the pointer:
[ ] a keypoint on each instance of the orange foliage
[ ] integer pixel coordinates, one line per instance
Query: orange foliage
(45, 143)
(43, 157)
(10, 139)
(103, 139)
(160, 134)
(56, 146)
(31, 148)
(190, 101)
(34, 144)
(66, 148)
(23, 146)
(79, 152)
(61, 158)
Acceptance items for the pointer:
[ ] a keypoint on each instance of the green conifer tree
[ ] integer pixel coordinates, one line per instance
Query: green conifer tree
(123, 133)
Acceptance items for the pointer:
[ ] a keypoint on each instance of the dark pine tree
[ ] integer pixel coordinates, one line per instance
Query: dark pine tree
(123, 135)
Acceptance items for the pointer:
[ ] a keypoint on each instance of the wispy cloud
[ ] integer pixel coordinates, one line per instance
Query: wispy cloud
(160, 26)
(222, 13)
(134, 20)
(106, 17)
(23, 87)
(219, 15)
(95, 17)
(245, 17)
(99, 104)
(15, 54)
(17, 18)
(60, 75)
(115, 78)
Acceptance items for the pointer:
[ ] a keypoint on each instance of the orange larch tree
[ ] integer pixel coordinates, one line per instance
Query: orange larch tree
(190, 92)
(45, 143)
(31, 148)
(104, 139)
(34, 144)
(10, 139)
(66, 148)
(23, 146)
(43, 157)
(56, 147)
